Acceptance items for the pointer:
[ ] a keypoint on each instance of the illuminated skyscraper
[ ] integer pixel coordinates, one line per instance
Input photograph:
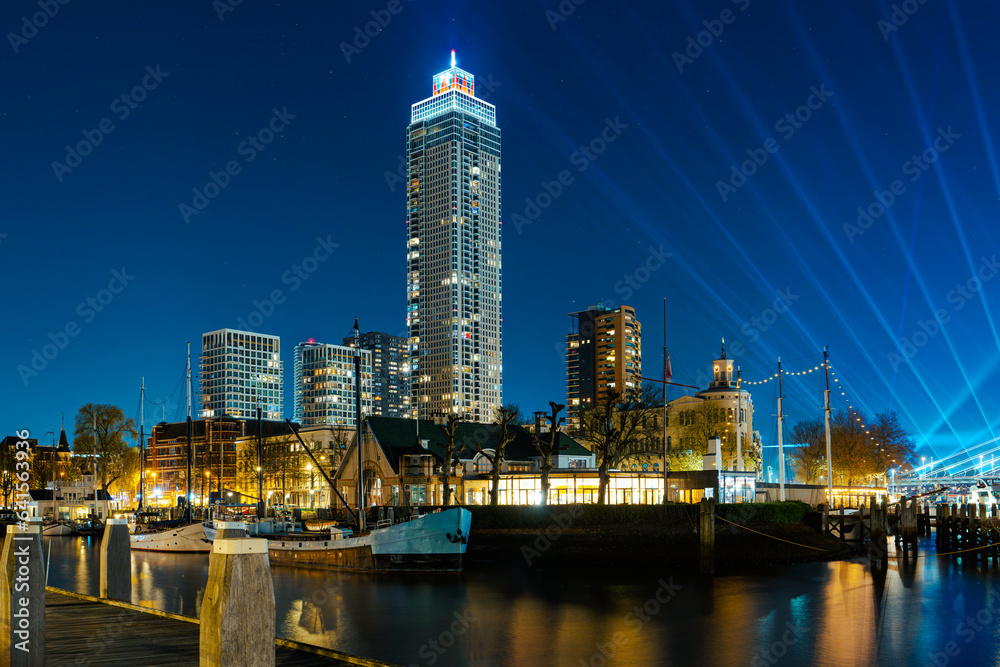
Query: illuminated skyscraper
(603, 354)
(239, 371)
(324, 383)
(390, 380)
(453, 251)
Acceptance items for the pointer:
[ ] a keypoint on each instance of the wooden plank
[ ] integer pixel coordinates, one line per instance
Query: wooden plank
(81, 630)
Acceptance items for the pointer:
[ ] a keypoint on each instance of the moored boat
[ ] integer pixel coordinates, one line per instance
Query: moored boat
(429, 542)
(59, 528)
(90, 528)
(182, 539)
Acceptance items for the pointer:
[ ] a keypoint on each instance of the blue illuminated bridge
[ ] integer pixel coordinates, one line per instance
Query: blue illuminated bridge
(956, 473)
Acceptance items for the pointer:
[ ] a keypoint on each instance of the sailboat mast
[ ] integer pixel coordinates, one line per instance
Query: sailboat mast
(357, 426)
(781, 446)
(826, 419)
(55, 514)
(142, 443)
(94, 414)
(187, 481)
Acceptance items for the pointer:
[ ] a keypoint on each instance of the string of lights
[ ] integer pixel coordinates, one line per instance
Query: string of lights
(851, 410)
(773, 377)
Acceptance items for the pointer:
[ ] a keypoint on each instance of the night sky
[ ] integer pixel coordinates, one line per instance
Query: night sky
(713, 154)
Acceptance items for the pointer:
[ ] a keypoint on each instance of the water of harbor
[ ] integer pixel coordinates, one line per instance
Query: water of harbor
(934, 612)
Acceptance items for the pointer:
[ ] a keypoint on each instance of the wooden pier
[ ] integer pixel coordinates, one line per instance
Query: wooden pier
(972, 531)
(968, 531)
(83, 630)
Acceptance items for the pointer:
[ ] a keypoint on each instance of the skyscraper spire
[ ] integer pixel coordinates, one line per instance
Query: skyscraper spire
(453, 57)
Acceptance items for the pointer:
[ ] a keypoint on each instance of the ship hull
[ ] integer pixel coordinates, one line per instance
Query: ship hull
(186, 539)
(433, 542)
(58, 529)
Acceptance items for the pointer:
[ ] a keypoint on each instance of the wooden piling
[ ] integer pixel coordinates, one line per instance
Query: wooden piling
(228, 529)
(973, 556)
(237, 613)
(908, 525)
(964, 532)
(116, 561)
(941, 537)
(22, 611)
(879, 546)
(706, 533)
(994, 535)
(983, 533)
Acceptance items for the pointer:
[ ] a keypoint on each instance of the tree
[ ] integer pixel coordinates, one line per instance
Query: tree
(547, 447)
(8, 461)
(894, 444)
(448, 423)
(810, 457)
(505, 417)
(112, 430)
(615, 429)
(855, 456)
(708, 420)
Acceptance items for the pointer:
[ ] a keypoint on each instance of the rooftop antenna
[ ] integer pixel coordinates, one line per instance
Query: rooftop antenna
(453, 57)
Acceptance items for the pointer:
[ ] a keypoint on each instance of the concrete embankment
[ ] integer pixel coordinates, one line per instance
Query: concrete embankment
(645, 537)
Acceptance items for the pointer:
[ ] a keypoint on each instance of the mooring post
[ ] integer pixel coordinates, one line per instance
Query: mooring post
(116, 561)
(963, 521)
(983, 532)
(872, 520)
(941, 530)
(237, 613)
(881, 538)
(22, 611)
(994, 551)
(973, 556)
(706, 532)
(908, 526)
(229, 529)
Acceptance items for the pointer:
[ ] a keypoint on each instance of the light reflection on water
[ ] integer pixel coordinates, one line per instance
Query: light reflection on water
(816, 614)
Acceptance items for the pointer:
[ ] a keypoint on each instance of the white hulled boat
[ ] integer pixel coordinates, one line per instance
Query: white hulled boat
(188, 538)
(428, 542)
(59, 528)
(183, 539)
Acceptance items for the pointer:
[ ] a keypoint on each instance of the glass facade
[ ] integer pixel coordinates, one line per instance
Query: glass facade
(238, 371)
(453, 252)
(390, 372)
(325, 384)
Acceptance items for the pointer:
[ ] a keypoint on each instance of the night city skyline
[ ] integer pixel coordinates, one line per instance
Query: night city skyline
(786, 177)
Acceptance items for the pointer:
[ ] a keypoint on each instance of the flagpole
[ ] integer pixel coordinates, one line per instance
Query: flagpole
(666, 377)
(739, 422)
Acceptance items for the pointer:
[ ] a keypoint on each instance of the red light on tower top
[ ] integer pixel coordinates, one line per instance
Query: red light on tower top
(454, 79)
